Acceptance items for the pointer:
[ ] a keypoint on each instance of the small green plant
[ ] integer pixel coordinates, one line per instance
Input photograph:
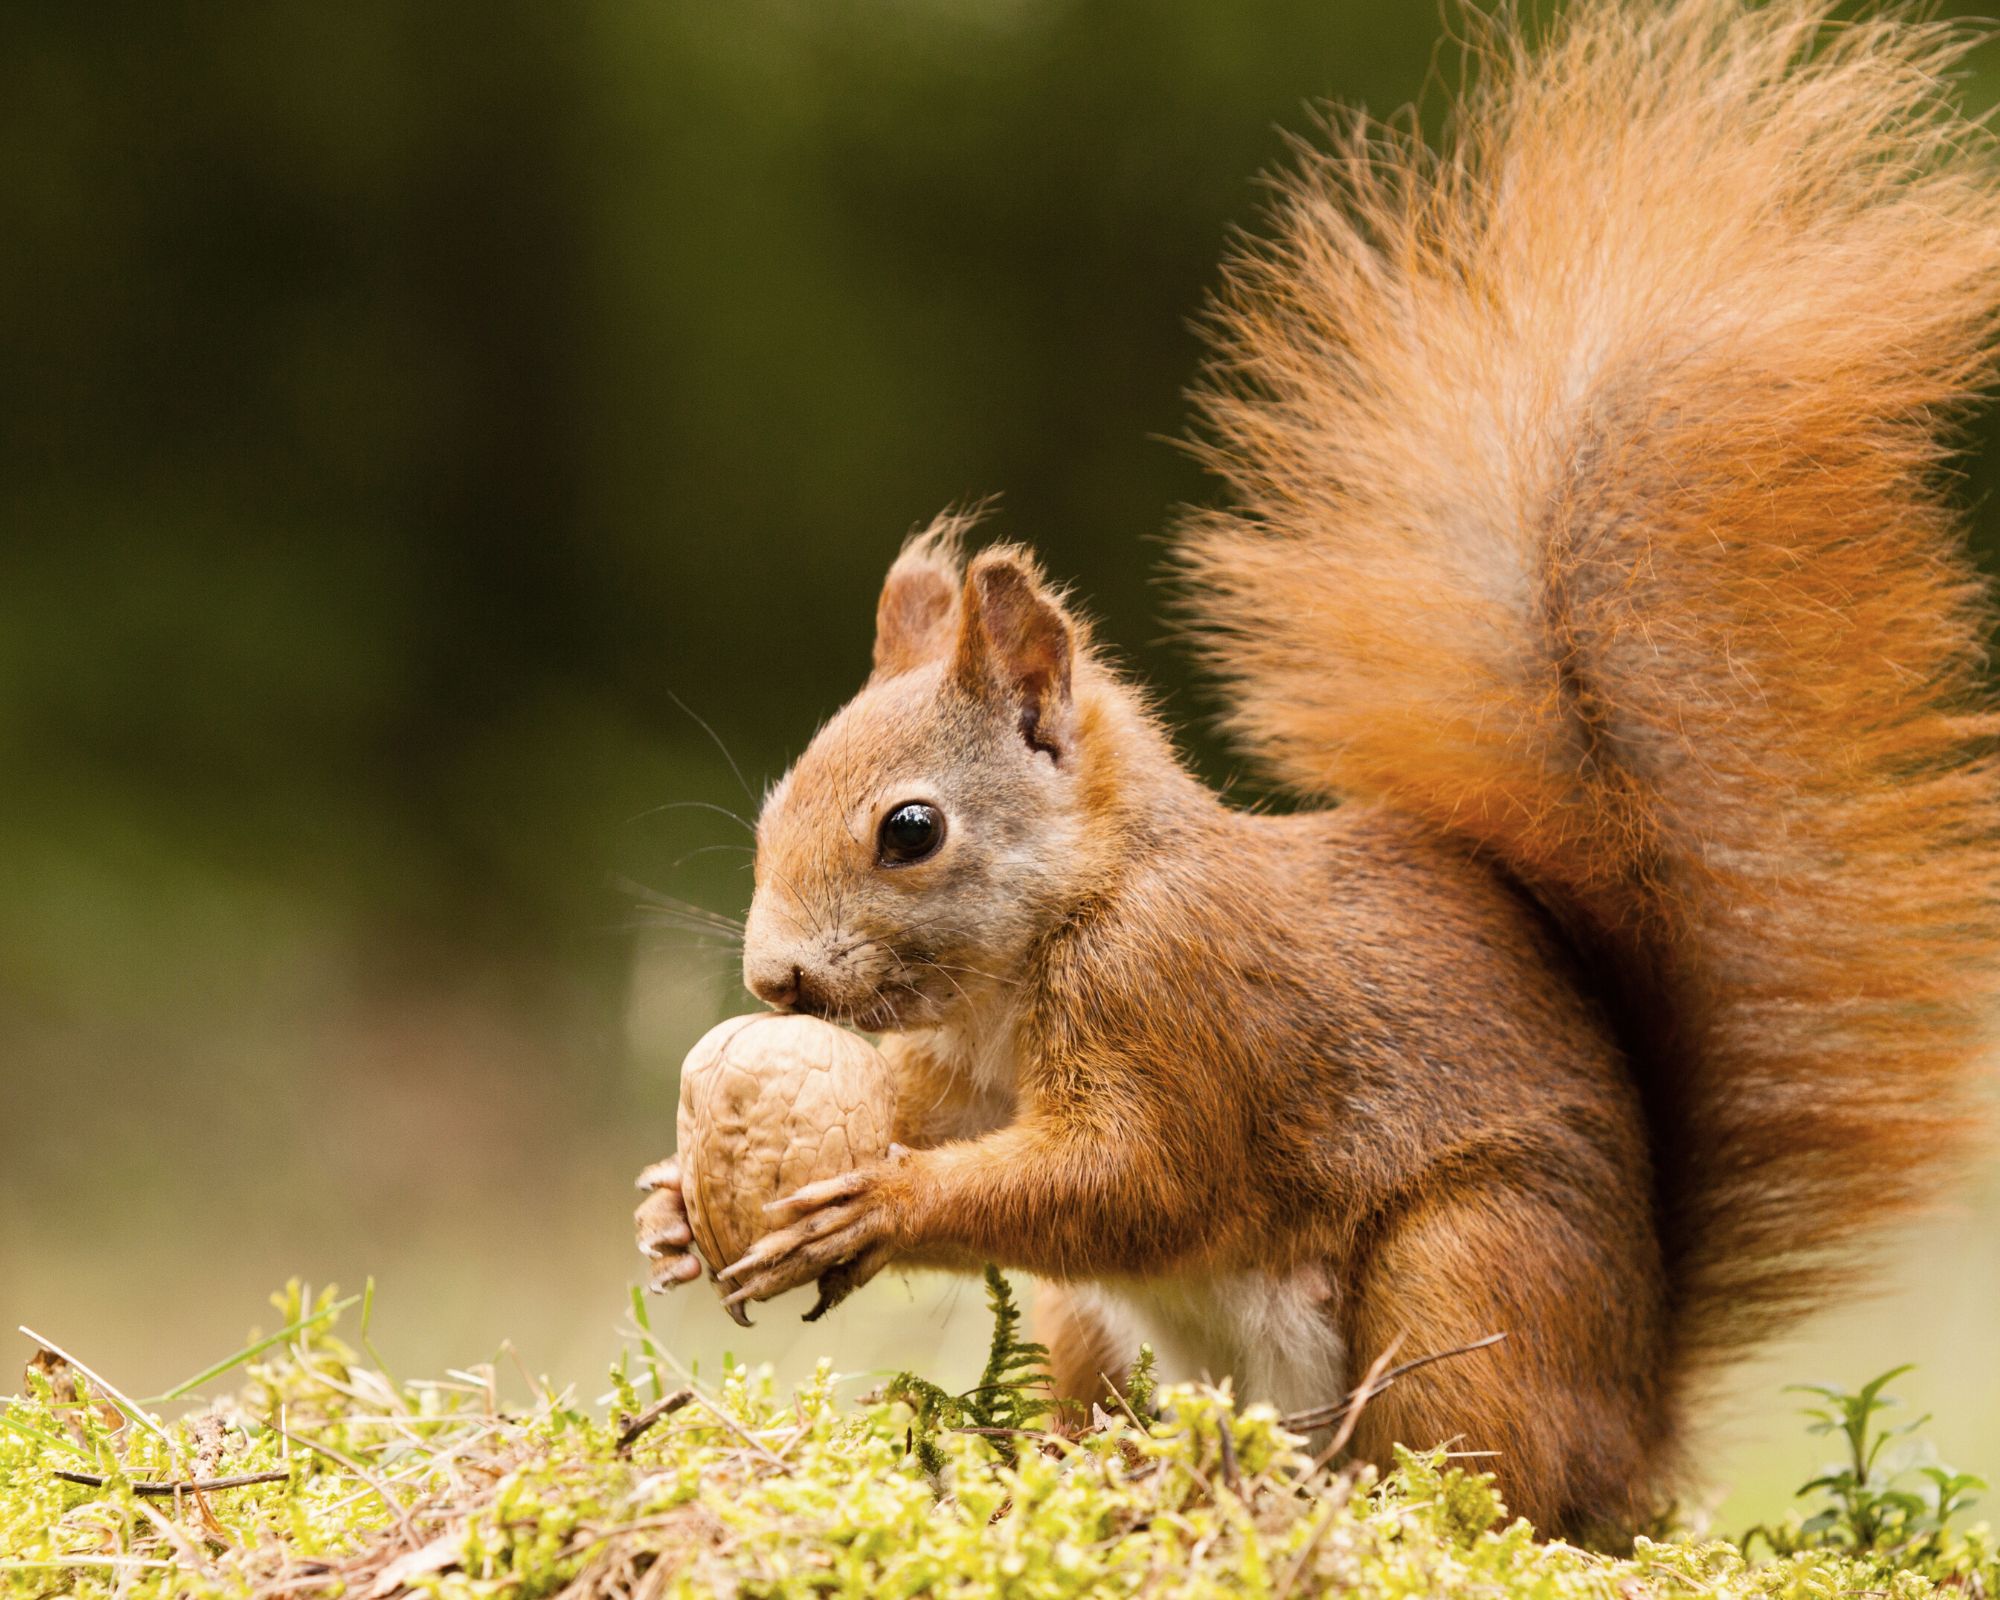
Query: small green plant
(1011, 1397)
(1142, 1387)
(1867, 1503)
(1013, 1389)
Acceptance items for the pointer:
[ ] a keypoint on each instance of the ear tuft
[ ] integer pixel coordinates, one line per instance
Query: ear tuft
(1016, 645)
(917, 615)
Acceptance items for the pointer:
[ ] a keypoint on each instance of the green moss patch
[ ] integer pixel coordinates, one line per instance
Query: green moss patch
(363, 1486)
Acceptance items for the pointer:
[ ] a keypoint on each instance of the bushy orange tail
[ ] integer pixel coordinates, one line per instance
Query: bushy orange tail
(1587, 476)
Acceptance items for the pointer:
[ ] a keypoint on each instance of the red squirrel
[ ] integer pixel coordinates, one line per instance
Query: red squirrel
(1587, 559)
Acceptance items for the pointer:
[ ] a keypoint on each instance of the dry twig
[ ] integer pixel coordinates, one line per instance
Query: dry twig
(1230, 1475)
(1347, 1412)
(628, 1435)
(1371, 1386)
(92, 1480)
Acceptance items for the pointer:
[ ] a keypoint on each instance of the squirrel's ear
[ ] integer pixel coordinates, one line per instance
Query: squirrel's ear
(1016, 645)
(916, 616)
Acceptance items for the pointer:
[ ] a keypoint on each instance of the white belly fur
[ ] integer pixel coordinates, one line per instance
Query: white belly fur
(1273, 1335)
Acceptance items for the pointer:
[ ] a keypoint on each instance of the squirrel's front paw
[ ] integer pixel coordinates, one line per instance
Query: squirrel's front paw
(841, 1231)
(661, 1223)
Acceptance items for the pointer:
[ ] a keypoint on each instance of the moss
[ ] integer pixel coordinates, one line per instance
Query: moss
(439, 1489)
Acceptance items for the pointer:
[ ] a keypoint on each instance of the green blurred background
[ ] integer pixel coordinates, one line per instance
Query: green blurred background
(407, 410)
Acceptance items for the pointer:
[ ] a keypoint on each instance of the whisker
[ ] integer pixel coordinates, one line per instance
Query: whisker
(669, 919)
(689, 931)
(817, 929)
(654, 900)
(948, 978)
(742, 782)
(700, 937)
(710, 849)
(687, 913)
(944, 968)
(677, 933)
(694, 805)
(977, 972)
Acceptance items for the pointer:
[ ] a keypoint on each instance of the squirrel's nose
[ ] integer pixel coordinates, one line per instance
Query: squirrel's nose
(778, 986)
(788, 989)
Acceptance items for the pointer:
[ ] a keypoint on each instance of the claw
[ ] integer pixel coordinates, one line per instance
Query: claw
(751, 1259)
(759, 1287)
(824, 1192)
(672, 1233)
(669, 1272)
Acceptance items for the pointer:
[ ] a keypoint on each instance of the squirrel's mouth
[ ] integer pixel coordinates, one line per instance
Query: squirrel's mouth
(876, 1017)
(894, 1008)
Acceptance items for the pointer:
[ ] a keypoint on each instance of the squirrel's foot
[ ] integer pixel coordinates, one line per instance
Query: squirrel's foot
(842, 1231)
(661, 1223)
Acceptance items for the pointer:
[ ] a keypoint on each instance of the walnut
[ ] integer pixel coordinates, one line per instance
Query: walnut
(769, 1104)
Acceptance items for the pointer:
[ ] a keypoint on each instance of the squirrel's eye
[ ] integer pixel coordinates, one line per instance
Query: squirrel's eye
(911, 832)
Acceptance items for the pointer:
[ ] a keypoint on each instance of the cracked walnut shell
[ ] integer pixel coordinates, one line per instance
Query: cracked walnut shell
(769, 1104)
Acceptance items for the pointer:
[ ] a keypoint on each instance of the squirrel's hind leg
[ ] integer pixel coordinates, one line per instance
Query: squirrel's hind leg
(1091, 1345)
(1565, 1412)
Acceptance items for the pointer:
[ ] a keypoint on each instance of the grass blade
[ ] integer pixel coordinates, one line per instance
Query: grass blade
(250, 1351)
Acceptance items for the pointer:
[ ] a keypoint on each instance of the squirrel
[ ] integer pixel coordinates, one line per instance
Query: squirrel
(1588, 559)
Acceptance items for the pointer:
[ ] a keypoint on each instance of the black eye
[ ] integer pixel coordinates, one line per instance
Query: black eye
(911, 832)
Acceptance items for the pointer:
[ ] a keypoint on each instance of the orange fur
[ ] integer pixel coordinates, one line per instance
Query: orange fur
(1589, 509)
(1589, 550)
